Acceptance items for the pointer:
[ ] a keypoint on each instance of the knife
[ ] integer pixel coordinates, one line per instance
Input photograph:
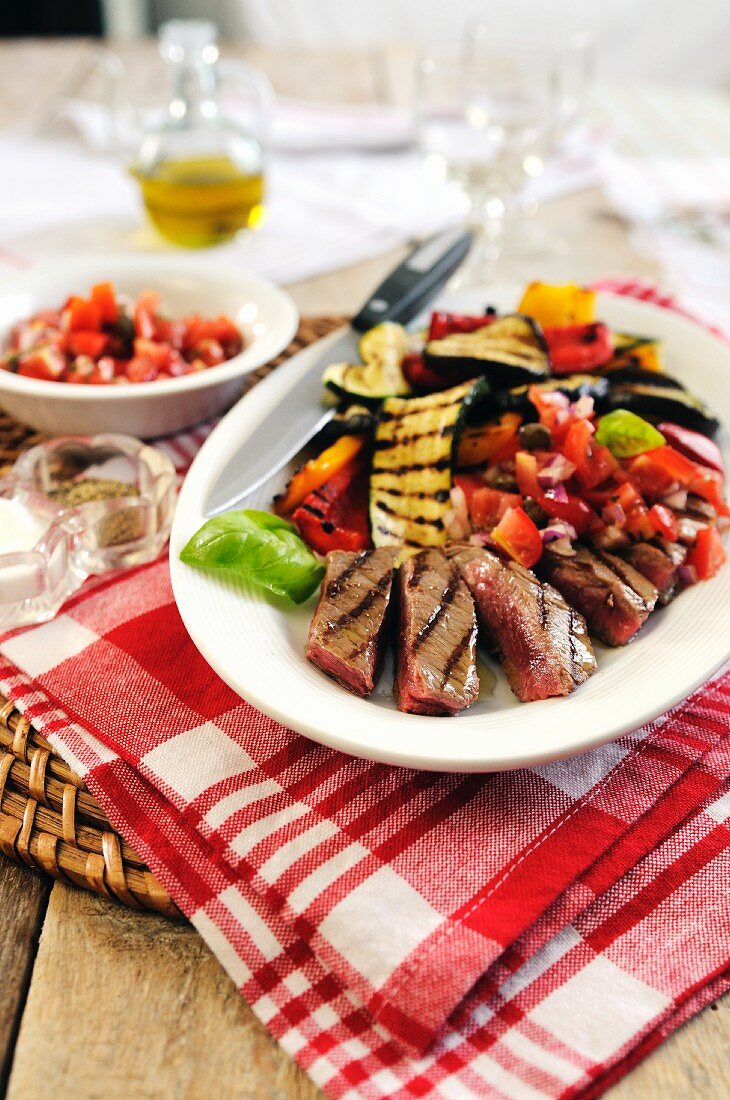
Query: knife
(295, 421)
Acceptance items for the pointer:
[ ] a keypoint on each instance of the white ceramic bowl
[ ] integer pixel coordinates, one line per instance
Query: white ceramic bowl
(266, 316)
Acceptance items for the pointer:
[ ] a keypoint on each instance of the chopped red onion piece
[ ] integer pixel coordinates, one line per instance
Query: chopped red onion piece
(456, 520)
(614, 514)
(676, 499)
(556, 398)
(687, 575)
(558, 529)
(482, 538)
(558, 493)
(610, 538)
(583, 407)
(563, 547)
(689, 529)
(557, 469)
(699, 507)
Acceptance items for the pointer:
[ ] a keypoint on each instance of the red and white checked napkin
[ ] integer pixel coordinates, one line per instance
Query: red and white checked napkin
(401, 933)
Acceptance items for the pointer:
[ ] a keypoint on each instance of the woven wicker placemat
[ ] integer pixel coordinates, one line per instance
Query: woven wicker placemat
(48, 819)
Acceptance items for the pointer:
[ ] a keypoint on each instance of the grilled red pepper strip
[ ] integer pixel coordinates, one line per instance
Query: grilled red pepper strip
(577, 349)
(443, 324)
(420, 377)
(335, 515)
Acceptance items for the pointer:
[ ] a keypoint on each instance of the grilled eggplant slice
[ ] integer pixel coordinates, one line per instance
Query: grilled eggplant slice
(573, 386)
(656, 403)
(645, 377)
(510, 351)
(411, 476)
(379, 375)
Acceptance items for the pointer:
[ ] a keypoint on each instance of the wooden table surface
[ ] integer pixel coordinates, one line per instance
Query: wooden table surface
(100, 1002)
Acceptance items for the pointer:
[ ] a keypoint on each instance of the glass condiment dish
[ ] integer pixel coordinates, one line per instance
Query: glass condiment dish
(82, 533)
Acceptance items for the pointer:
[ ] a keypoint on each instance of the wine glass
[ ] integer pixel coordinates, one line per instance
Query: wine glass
(484, 115)
(442, 131)
(553, 66)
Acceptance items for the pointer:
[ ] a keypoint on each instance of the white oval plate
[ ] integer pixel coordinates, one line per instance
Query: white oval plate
(258, 648)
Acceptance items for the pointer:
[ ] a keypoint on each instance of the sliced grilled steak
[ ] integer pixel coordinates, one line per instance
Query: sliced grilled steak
(542, 641)
(659, 564)
(613, 597)
(348, 632)
(436, 670)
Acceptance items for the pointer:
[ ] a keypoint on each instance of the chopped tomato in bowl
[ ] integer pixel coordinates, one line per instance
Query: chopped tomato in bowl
(75, 343)
(82, 336)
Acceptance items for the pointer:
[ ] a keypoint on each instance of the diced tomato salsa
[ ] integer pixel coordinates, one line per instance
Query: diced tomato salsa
(104, 339)
(518, 486)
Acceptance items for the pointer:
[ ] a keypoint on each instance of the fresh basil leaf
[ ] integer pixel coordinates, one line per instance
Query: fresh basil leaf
(626, 434)
(258, 547)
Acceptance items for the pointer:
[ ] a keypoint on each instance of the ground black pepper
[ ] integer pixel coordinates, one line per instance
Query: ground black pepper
(112, 530)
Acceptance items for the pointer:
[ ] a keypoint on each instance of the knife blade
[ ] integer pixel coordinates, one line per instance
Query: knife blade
(272, 444)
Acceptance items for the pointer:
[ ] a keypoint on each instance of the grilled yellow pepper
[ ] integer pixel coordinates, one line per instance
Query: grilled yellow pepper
(553, 306)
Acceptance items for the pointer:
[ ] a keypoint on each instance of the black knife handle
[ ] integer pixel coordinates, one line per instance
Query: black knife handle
(414, 282)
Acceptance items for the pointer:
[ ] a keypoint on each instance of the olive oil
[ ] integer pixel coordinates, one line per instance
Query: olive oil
(201, 201)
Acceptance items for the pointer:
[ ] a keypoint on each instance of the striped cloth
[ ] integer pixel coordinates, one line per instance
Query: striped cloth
(402, 934)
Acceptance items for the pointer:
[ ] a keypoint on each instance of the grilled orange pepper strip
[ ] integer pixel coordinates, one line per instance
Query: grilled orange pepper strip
(478, 445)
(318, 470)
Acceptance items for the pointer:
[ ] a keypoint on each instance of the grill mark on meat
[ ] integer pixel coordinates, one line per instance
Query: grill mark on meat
(542, 642)
(348, 630)
(336, 586)
(541, 608)
(456, 654)
(419, 567)
(366, 602)
(436, 657)
(445, 600)
(313, 511)
(403, 440)
(572, 630)
(614, 597)
(659, 564)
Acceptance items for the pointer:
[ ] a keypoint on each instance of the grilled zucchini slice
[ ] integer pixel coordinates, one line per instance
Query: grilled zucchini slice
(509, 352)
(411, 474)
(379, 375)
(349, 420)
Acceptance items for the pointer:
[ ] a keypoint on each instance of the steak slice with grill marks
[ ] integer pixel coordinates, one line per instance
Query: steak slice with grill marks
(436, 670)
(659, 564)
(613, 597)
(348, 631)
(543, 643)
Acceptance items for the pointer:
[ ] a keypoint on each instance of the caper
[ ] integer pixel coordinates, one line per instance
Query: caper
(535, 437)
(534, 511)
(500, 480)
